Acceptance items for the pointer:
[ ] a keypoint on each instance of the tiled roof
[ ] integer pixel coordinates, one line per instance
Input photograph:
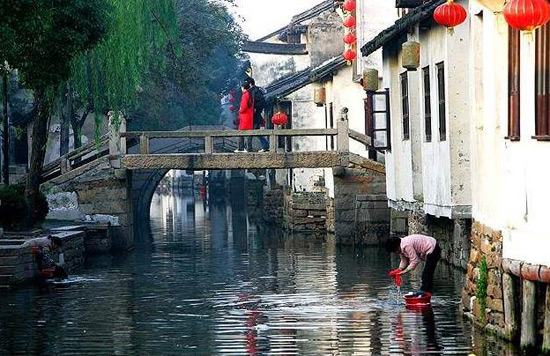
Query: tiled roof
(274, 48)
(296, 81)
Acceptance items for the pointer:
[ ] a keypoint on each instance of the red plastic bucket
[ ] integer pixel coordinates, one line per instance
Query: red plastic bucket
(412, 301)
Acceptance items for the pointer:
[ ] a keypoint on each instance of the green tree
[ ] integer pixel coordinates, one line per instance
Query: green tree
(164, 64)
(43, 37)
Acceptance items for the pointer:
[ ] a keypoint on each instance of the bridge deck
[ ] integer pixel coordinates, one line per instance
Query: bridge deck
(251, 160)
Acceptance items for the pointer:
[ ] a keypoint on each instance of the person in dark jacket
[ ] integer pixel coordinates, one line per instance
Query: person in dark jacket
(259, 105)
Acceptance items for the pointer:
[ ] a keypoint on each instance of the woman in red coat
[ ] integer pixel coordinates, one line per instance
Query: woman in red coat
(246, 116)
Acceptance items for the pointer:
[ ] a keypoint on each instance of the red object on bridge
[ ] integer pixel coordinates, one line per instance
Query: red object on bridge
(349, 22)
(349, 5)
(350, 38)
(527, 15)
(279, 119)
(450, 14)
(232, 108)
(350, 55)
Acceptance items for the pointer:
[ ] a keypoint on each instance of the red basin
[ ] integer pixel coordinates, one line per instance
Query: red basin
(418, 301)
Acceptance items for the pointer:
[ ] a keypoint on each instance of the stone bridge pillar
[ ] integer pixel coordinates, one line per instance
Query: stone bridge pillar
(361, 212)
(98, 191)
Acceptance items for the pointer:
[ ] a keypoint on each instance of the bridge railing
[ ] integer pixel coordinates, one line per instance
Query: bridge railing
(342, 133)
(118, 140)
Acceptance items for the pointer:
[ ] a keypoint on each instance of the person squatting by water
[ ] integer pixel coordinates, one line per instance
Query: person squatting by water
(44, 250)
(413, 249)
(250, 114)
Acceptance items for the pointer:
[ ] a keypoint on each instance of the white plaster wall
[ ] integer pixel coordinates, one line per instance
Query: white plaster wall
(266, 68)
(458, 117)
(305, 114)
(435, 43)
(373, 16)
(436, 173)
(510, 179)
(399, 177)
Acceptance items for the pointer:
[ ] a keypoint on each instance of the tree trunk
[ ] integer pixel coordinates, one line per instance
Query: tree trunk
(65, 124)
(38, 151)
(76, 124)
(5, 133)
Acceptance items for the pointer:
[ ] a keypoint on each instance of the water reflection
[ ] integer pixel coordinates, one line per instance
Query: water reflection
(211, 281)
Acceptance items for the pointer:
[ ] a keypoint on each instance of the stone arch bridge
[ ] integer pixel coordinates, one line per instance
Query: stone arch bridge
(114, 179)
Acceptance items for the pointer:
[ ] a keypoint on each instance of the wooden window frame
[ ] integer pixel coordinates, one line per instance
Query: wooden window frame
(514, 71)
(542, 84)
(441, 101)
(405, 108)
(427, 104)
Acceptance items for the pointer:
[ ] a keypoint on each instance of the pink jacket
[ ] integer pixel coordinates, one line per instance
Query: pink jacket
(414, 248)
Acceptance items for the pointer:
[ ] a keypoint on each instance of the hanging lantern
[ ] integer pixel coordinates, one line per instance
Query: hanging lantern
(370, 79)
(527, 15)
(450, 14)
(349, 5)
(350, 38)
(349, 22)
(319, 96)
(279, 119)
(350, 55)
(410, 55)
(232, 108)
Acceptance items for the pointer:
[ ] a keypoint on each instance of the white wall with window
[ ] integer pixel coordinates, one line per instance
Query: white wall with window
(510, 92)
(429, 167)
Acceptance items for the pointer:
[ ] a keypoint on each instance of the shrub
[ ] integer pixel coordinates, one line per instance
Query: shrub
(14, 210)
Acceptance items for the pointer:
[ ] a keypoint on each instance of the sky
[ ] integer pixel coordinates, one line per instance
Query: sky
(262, 17)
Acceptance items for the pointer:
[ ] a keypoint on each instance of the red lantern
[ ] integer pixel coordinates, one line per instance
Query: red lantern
(350, 38)
(349, 22)
(349, 5)
(279, 119)
(527, 15)
(350, 55)
(232, 108)
(232, 99)
(450, 14)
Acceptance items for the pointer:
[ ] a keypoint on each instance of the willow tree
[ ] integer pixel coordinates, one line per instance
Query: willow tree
(111, 75)
(186, 91)
(163, 63)
(45, 36)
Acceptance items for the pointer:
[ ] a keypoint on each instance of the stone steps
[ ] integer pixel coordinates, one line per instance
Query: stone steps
(10, 242)
(5, 279)
(9, 250)
(6, 270)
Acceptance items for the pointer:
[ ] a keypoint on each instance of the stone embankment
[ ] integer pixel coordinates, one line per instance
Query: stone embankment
(17, 264)
(508, 297)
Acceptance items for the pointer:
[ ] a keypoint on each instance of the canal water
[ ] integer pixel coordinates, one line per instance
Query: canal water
(211, 281)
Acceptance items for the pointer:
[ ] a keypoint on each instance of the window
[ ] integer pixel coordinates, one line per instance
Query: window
(427, 104)
(405, 104)
(513, 83)
(542, 83)
(441, 100)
